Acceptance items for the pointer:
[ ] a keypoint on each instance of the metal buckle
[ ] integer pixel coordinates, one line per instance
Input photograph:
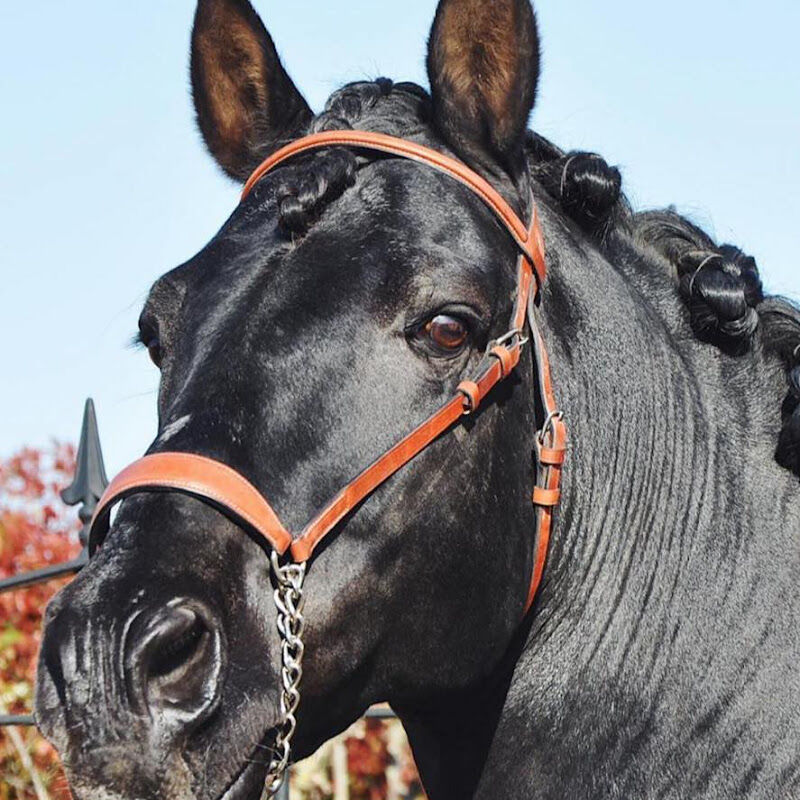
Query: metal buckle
(507, 336)
(548, 425)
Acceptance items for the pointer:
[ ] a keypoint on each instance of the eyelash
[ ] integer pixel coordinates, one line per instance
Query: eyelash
(150, 341)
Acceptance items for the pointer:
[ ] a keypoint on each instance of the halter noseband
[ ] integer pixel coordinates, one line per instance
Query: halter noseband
(222, 487)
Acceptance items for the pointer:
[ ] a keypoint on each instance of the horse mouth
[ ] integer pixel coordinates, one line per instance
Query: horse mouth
(249, 780)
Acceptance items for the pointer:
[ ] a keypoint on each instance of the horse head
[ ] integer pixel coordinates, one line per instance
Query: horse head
(344, 301)
(340, 304)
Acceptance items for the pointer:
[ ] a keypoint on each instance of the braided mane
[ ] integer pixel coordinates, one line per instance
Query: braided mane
(307, 187)
(719, 284)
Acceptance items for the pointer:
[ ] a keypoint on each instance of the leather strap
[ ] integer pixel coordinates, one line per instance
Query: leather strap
(552, 458)
(529, 240)
(551, 444)
(503, 355)
(225, 489)
(198, 476)
(547, 498)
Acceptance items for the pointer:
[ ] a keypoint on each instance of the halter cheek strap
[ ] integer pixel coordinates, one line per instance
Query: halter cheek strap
(225, 489)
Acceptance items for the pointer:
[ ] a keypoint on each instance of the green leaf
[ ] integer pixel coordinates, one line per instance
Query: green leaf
(10, 636)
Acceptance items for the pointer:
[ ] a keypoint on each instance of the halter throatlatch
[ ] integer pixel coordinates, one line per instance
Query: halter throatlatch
(222, 487)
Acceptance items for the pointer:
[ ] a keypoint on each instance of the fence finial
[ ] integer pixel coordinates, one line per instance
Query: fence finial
(90, 473)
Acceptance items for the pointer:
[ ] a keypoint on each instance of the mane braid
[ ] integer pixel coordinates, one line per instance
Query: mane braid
(588, 189)
(780, 321)
(720, 284)
(309, 186)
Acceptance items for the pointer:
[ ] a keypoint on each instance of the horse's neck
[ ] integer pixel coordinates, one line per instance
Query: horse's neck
(674, 504)
(661, 658)
(663, 654)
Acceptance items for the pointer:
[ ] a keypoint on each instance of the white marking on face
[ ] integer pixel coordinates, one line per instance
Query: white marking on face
(173, 428)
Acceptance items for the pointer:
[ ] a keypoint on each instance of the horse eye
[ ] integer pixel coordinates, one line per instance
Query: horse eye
(149, 338)
(447, 333)
(154, 351)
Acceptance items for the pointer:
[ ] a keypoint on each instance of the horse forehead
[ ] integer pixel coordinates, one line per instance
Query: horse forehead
(407, 201)
(399, 216)
(403, 184)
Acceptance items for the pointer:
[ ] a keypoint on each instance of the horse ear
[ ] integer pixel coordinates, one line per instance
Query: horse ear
(483, 66)
(246, 104)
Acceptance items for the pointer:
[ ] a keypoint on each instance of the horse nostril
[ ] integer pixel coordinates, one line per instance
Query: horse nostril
(180, 644)
(175, 660)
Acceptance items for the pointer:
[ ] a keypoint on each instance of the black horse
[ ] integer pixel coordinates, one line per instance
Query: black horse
(338, 306)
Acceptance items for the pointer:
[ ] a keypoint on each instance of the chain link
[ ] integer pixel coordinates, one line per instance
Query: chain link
(289, 601)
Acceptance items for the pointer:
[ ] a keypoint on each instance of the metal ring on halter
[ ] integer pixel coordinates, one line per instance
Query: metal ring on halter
(507, 336)
(796, 354)
(548, 424)
(704, 263)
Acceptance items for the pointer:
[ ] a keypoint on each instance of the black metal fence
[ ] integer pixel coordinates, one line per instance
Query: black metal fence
(85, 491)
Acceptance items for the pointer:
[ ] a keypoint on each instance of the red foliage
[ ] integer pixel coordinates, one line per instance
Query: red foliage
(367, 760)
(36, 530)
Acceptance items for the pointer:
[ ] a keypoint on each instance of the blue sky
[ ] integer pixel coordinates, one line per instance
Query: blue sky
(104, 184)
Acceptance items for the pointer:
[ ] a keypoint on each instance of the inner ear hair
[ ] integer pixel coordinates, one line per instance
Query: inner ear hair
(483, 65)
(246, 104)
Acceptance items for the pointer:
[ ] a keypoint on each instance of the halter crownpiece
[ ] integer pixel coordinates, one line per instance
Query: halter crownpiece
(225, 489)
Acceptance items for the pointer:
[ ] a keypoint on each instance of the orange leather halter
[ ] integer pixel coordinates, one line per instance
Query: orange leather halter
(225, 489)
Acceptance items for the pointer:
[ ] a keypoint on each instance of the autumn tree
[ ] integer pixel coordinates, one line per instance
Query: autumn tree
(36, 529)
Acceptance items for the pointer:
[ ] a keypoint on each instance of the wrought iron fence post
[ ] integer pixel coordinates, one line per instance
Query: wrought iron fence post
(90, 472)
(86, 489)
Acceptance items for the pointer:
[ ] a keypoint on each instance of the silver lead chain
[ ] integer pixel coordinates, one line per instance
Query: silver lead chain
(289, 602)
